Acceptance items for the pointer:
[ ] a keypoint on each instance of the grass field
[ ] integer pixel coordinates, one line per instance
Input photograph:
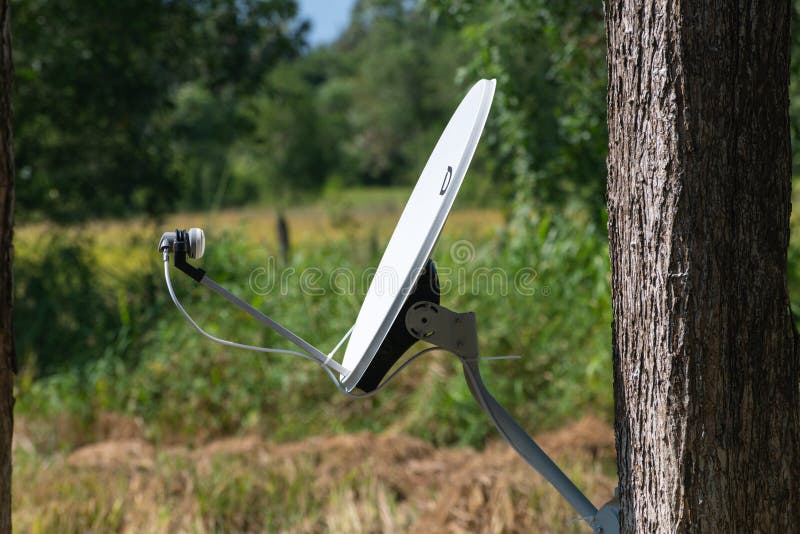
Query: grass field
(128, 421)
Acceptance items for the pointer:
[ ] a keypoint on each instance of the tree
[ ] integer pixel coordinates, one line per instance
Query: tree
(548, 131)
(794, 92)
(706, 360)
(400, 86)
(7, 357)
(100, 82)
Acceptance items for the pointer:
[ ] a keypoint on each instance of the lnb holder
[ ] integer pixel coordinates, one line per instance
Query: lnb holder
(181, 250)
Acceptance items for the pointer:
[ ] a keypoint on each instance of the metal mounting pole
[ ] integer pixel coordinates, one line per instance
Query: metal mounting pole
(458, 333)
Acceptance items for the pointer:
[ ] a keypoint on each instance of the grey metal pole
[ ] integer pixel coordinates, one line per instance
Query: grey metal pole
(525, 446)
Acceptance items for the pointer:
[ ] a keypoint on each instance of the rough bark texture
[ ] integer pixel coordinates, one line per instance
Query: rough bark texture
(7, 356)
(706, 365)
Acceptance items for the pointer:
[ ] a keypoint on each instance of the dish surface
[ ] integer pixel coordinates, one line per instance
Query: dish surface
(417, 230)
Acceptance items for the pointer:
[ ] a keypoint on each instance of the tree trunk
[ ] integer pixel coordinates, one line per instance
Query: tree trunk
(706, 365)
(7, 356)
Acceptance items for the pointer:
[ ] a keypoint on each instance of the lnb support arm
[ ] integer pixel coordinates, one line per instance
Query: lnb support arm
(458, 333)
(181, 250)
(178, 244)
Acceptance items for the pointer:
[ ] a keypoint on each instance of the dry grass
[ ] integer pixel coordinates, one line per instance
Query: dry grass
(351, 483)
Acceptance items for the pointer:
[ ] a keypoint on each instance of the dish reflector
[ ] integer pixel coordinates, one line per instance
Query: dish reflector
(417, 231)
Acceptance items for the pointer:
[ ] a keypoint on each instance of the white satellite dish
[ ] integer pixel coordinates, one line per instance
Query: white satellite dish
(417, 231)
(402, 302)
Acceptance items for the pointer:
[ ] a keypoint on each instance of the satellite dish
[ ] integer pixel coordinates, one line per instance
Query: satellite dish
(402, 303)
(413, 239)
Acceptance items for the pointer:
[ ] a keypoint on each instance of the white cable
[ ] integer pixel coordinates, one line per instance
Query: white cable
(273, 350)
(216, 339)
(322, 364)
(338, 345)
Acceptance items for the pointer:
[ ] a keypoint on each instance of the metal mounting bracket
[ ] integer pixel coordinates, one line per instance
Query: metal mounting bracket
(455, 332)
(458, 333)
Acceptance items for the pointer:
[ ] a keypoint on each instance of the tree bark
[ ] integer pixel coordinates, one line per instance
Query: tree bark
(7, 355)
(706, 360)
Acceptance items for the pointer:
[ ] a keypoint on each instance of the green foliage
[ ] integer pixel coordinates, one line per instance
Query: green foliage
(115, 343)
(146, 361)
(135, 106)
(548, 131)
(199, 123)
(126, 107)
(400, 78)
(68, 316)
(97, 82)
(290, 146)
(555, 312)
(794, 89)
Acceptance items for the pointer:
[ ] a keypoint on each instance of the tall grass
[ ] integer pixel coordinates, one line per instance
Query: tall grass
(98, 334)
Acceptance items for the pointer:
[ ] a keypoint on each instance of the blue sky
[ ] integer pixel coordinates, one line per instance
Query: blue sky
(328, 18)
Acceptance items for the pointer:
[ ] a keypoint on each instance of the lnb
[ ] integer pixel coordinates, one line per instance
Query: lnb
(194, 239)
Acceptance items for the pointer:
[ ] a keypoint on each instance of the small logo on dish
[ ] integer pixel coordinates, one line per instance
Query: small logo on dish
(446, 182)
